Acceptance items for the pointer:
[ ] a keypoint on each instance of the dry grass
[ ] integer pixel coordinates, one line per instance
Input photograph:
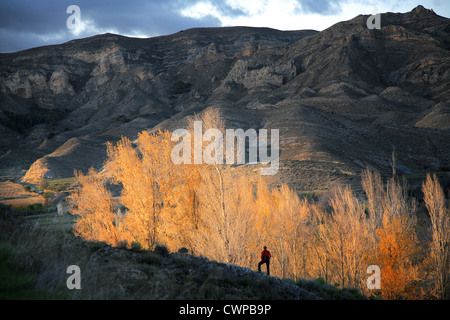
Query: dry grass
(43, 253)
(14, 194)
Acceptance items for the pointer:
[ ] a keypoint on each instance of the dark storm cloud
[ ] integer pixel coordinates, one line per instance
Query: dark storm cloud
(150, 17)
(26, 15)
(28, 23)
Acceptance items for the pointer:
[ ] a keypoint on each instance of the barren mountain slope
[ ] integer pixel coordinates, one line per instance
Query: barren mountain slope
(343, 98)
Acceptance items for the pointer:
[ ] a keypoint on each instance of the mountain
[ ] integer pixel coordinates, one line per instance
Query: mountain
(343, 98)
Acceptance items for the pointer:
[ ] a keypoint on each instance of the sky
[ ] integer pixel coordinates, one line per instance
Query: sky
(30, 23)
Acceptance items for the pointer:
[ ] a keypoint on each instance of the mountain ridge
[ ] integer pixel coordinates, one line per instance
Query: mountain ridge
(343, 98)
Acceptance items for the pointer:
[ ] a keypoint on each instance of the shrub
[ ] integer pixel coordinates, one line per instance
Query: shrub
(183, 250)
(328, 291)
(15, 283)
(136, 246)
(43, 184)
(47, 195)
(95, 245)
(151, 258)
(123, 244)
(35, 207)
(161, 250)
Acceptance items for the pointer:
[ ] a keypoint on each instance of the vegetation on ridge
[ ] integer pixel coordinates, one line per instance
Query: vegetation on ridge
(201, 208)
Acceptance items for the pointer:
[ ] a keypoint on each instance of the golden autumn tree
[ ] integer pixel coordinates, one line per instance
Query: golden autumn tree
(392, 228)
(126, 168)
(373, 186)
(176, 189)
(397, 247)
(348, 237)
(439, 213)
(264, 209)
(93, 204)
(182, 215)
(212, 239)
(318, 260)
(225, 202)
(158, 195)
(397, 244)
(288, 235)
(232, 235)
(208, 209)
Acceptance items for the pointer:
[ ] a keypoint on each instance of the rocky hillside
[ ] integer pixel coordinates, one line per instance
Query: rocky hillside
(42, 251)
(342, 98)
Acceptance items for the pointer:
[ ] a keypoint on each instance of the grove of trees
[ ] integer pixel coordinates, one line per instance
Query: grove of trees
(207, 210)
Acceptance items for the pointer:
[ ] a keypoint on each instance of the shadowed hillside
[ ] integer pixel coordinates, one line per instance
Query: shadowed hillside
(35, 258)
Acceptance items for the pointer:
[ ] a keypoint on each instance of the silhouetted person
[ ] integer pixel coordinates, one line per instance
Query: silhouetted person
(265, 258)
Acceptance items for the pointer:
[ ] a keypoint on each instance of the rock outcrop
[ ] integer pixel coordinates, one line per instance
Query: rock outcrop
(343, 98)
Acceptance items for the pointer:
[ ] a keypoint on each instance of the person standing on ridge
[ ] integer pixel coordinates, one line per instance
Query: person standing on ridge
(265, 258)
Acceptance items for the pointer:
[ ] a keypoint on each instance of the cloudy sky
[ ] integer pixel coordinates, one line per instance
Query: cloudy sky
(30, 23)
